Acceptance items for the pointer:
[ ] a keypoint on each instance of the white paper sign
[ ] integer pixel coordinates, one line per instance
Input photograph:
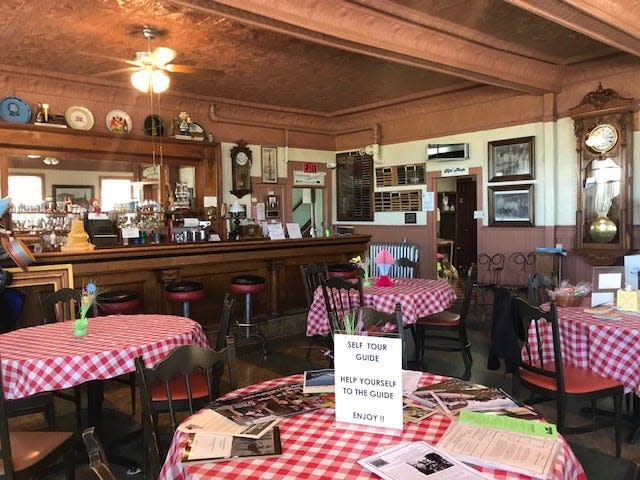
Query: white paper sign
(275, 231)
(130, 232)
(631, 269)
(368, 373)
(428, 201)
(293, 229)
(608, 281)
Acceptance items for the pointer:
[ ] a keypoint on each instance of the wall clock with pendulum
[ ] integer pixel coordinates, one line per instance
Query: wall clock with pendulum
(241, 159)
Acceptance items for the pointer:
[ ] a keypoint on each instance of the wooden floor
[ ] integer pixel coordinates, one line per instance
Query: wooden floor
(288, 355)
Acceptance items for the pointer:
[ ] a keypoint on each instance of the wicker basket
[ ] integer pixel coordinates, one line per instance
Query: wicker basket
(569, 300)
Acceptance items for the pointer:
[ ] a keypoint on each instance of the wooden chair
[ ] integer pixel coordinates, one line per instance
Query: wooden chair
(175, 376)
(537, 289)
(447, 331)
(405, 268)
(61, 306)
(340, 296)
(371, 316)
(554, 379)
(27, 454)
(97, 458)
(312, 274)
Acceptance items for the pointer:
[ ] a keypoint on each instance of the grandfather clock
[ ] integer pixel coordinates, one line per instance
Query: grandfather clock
(603, 125)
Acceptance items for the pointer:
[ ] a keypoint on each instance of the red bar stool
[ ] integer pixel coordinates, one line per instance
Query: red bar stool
(118, 302)
(184, 292)
(247, 285)
(344, 270)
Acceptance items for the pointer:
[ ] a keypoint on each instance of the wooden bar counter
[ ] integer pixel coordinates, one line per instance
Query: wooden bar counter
(147, 269)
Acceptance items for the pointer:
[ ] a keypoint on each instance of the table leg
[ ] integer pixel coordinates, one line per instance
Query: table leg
(95, 398)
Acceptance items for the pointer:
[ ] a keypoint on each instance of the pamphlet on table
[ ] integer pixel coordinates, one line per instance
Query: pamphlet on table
(418, 460)
(207, 447)
(319, 381)
(531, 455)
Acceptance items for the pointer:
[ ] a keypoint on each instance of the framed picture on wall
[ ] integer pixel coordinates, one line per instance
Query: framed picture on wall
(269, 164)
(511, 160)
(511, 206)
(77, 194)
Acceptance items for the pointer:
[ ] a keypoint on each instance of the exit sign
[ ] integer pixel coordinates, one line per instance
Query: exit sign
(309, 168)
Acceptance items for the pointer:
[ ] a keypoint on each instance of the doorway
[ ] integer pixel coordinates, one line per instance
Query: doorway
(308, 212)
(457, 229)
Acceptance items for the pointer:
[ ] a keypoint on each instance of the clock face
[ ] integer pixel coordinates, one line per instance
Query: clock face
(242, 158)
(602, 138)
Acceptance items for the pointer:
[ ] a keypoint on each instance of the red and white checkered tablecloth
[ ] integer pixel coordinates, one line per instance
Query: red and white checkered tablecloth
(313, 447)
(610, 348)
(418, 297)
(49, 357)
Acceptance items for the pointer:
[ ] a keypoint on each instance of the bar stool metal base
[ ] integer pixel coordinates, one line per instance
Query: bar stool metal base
(247, 285)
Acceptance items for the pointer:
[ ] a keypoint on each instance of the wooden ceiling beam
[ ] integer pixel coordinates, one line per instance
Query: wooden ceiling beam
(359, 28)
(614, 23)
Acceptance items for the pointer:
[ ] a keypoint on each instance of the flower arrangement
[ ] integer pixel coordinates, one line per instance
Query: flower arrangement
(87, 301)
(362, 262)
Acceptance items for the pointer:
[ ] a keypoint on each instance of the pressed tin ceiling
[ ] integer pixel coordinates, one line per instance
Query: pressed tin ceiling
(325, 57)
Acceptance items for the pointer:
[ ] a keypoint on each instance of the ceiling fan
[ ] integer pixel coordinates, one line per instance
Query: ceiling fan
(150, 68)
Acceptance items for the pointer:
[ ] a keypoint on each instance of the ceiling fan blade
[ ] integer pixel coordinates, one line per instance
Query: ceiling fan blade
(162, 55)
(113, 72)
(176, 68)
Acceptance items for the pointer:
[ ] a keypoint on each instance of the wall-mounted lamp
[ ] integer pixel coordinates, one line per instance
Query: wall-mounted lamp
(373, 150)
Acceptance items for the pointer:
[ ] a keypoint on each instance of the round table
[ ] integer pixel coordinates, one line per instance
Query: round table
(313, 447)
(418, 297)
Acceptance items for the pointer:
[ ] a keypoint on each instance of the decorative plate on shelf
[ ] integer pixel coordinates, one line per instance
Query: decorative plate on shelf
(119, 121)
(196, 131)
(153, 125)
(79, 118)
(15, 110)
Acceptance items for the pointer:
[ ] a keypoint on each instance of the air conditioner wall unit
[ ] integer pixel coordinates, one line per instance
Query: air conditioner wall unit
(447, 151)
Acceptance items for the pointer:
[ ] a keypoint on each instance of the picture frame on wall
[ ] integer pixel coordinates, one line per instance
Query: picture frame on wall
(511, 160)
(78, 194)
(269, 164)
(511, 206)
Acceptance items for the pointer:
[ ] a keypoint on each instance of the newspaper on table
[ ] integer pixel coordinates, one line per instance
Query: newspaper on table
(531, 455)
(417, 461)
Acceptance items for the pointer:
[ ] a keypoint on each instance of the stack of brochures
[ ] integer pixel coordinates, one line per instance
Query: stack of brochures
(229, 428)
(455, 395)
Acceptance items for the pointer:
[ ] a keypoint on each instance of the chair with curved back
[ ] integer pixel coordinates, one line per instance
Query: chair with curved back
(61, 306)
(553, 379)
(174, 375)
(340, 296)
(370, 316)
(537, 289)
(405, 268)
(97, 458)
(26, 455)
(447, 331)
(312, 274)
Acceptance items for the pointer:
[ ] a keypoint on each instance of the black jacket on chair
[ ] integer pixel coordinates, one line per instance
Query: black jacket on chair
(505, 332)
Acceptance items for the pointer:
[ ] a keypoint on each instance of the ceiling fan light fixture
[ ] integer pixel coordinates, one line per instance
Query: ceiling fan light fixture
(150, 78)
